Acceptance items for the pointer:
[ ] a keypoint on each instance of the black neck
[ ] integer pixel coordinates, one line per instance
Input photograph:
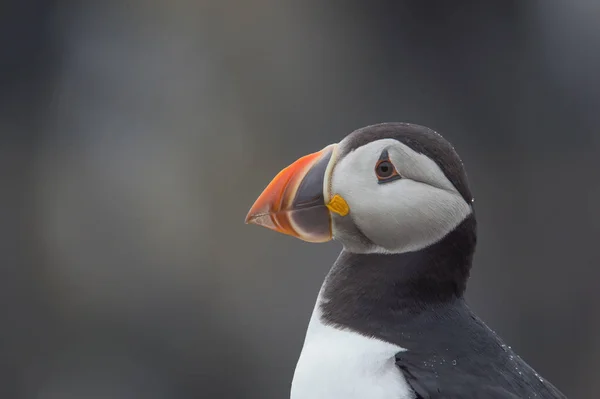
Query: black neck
(367, 292)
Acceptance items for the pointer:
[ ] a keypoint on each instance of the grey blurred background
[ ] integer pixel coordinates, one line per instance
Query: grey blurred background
(136, 135)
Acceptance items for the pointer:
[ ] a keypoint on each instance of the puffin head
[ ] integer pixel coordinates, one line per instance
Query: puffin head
(386, 188)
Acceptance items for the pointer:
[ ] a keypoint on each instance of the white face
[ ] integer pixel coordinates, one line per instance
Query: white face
(396, 214)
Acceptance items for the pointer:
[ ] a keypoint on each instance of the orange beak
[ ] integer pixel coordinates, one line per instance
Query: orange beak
(294, 202)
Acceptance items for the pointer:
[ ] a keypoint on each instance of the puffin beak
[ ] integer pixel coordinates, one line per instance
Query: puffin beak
(294, 203)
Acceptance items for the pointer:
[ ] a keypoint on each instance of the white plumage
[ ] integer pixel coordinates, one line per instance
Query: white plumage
(341, 364)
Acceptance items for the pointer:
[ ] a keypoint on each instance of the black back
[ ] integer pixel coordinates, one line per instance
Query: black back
(453, 354)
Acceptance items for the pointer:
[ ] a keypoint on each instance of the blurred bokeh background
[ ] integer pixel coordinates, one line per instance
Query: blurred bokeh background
(136, 135)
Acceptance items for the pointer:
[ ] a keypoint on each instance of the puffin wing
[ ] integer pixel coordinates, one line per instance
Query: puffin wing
(428, 382)
(463, 358)
(436, 377)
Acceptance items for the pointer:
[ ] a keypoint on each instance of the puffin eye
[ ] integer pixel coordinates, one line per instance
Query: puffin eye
(386, 171)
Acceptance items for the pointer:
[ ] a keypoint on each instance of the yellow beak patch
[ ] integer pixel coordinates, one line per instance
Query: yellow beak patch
(338, 205)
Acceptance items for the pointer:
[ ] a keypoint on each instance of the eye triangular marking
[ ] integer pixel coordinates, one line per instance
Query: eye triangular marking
(385, 156)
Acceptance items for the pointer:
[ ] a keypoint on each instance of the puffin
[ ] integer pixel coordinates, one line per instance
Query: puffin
(391, 320)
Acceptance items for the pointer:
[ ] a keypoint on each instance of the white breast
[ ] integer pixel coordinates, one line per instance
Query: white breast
(340, 364)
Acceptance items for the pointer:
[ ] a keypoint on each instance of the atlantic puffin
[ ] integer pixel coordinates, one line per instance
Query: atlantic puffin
(391, 320)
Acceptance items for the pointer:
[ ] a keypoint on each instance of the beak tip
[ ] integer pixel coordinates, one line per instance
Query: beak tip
(261, 219)
(250, 217)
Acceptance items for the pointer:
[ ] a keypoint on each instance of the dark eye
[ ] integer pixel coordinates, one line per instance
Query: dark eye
(386, 171)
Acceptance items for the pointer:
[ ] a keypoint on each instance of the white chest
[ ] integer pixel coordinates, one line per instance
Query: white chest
(338, 364)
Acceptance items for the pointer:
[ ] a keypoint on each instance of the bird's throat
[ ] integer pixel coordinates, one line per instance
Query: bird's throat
(367, 292)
